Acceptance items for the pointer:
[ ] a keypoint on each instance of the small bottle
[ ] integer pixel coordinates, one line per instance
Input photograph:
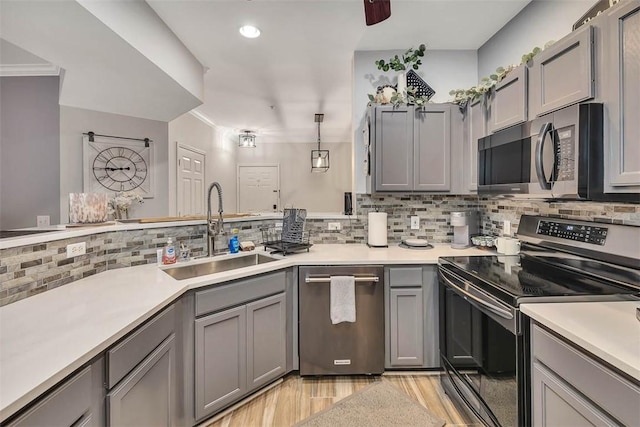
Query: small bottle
(169, 253)
(234, 243)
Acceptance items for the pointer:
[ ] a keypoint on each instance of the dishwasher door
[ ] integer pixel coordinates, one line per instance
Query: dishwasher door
(345, 348)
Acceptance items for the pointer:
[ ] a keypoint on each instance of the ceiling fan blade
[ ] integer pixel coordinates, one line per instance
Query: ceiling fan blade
(376, 11)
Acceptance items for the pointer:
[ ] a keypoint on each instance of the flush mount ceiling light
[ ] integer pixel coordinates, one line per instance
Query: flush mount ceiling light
(249, 31)
(319, 158)
(246, 139)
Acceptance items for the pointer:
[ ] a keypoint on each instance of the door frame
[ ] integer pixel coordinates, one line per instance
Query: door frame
(177, 171)
(241, 165)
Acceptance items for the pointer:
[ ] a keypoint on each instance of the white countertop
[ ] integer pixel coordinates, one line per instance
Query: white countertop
(608, 330)
(46, 337)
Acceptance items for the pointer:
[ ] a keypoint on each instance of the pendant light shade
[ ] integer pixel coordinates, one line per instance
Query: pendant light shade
(247, 140)
(319, 158)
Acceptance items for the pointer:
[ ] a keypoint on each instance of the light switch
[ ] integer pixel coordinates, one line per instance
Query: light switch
(415, 222)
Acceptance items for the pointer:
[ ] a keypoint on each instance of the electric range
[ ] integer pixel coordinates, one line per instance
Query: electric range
(484, 341)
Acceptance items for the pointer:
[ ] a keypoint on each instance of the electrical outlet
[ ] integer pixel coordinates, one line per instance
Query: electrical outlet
(43, 221)
(76, 249)
(334, 226)
(506, 228)
(278, 225)
(415, 222)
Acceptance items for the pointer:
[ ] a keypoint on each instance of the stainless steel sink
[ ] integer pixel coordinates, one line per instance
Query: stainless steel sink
(217, 266)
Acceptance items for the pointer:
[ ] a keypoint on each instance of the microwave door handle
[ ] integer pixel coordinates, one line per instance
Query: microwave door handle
(544, 130)
(482, 302)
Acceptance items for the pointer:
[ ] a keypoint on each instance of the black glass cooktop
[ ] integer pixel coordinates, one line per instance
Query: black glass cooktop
(514, 278)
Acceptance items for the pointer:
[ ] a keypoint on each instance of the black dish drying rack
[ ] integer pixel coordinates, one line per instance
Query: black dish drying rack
(291, 237)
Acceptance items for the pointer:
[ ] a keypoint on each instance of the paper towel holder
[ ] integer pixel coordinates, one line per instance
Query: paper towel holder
(377, 246)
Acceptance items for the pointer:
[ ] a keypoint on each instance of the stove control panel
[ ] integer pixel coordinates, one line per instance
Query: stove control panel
(582, 233)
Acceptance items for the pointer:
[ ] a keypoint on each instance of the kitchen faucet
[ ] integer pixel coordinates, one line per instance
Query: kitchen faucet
(213, 228)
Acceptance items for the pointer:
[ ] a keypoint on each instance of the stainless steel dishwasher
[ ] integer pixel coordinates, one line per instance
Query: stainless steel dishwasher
(344, 348)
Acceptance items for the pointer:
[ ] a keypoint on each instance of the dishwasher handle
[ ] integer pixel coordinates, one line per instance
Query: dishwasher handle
(325, 279)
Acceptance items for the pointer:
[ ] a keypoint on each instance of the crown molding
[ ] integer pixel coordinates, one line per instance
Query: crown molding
(206, 120)
(16, 70)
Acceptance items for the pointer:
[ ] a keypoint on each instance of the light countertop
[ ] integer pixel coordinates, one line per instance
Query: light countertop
(608, 330)
(46, 337)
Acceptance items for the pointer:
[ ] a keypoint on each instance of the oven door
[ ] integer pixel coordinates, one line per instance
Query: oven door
(482, 353)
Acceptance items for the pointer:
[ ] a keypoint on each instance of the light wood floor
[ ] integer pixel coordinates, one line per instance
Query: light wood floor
(297, 398)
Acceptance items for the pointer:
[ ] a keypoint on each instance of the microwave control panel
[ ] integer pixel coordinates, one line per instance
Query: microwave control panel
(565, 154)
(581, 233)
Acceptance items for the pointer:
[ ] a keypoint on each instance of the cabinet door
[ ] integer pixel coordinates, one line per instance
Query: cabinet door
(508, 104)
(475, 122)
(266, 340)
(623, 46)
(220, 359)
(146, 396)
(555, 403)
(394, 149)
(562, 74)
(464, 346)
(406, 327)
(432, 155)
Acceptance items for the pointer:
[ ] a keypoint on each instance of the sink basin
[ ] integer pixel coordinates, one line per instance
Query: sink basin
(217, 266)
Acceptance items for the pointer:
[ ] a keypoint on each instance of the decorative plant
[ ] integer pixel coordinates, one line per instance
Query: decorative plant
(399, 98)
(410, 59)
(119, 204)
(463, 96)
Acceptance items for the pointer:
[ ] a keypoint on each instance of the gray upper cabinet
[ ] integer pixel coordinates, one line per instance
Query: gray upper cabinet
(475, 127)
(146, 397)
(623, 68)
(508, 102)
(394, 149)
(570, 387)
(432, 148)
(411, 311)
(266, 340)
(562, 74)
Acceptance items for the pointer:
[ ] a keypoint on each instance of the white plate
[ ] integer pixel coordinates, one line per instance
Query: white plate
(416, 242)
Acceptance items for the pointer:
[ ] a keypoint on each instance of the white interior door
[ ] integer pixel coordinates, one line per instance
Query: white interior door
(258, 188)
(191, 181)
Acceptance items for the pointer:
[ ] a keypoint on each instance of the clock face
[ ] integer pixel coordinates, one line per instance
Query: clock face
(118, 166)
(119, 169)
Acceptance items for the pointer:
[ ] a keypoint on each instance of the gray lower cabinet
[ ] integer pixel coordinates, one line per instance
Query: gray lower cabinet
(571, 387)
(508, 100)
(412, 148)
(237, 351)
(411, 311)
(563, 73)
(78, 401)
(146, 397)
(623, 50)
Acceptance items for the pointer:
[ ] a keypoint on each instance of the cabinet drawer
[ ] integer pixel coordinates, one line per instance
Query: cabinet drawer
(239, 292)
(125, 356)
(404, 277)
(613, 393)
(64, 407)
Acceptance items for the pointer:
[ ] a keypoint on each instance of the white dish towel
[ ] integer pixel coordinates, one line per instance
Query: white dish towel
(343, 299)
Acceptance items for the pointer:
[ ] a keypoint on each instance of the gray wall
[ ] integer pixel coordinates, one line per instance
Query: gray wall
(539, 22)
(75, 121)
(29, 150)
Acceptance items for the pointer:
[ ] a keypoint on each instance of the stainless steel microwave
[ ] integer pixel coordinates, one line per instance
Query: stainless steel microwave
(556, 156)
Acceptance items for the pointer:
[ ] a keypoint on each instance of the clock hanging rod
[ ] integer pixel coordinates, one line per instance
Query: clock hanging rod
(91, 136)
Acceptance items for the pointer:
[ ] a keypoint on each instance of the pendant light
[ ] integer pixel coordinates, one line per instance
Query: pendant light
(319, 158)
(246, 139)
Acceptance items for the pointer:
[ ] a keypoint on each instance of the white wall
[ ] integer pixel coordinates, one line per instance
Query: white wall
(220, 157)
(299, 187)
(75, 121)
(539, 22)
(443, 70)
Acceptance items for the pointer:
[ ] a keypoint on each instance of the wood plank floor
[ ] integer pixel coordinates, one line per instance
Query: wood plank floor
(297, 398)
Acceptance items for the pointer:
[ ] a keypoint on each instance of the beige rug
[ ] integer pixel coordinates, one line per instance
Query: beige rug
(380, 404)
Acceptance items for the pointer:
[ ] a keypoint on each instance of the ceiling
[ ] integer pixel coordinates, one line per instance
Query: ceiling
(302, 63)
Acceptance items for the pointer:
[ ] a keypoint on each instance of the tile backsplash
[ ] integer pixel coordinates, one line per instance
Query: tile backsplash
(32, 269)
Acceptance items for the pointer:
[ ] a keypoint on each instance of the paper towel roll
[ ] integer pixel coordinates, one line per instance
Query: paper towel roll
(377, 229)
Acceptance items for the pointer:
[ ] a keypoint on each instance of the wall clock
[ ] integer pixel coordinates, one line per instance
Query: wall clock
(118, 165)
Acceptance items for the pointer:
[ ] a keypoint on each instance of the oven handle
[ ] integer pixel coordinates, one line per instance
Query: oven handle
(544, 130)
(506, 314)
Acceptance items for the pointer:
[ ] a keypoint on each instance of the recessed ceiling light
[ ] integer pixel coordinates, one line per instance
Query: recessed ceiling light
(249, 31)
